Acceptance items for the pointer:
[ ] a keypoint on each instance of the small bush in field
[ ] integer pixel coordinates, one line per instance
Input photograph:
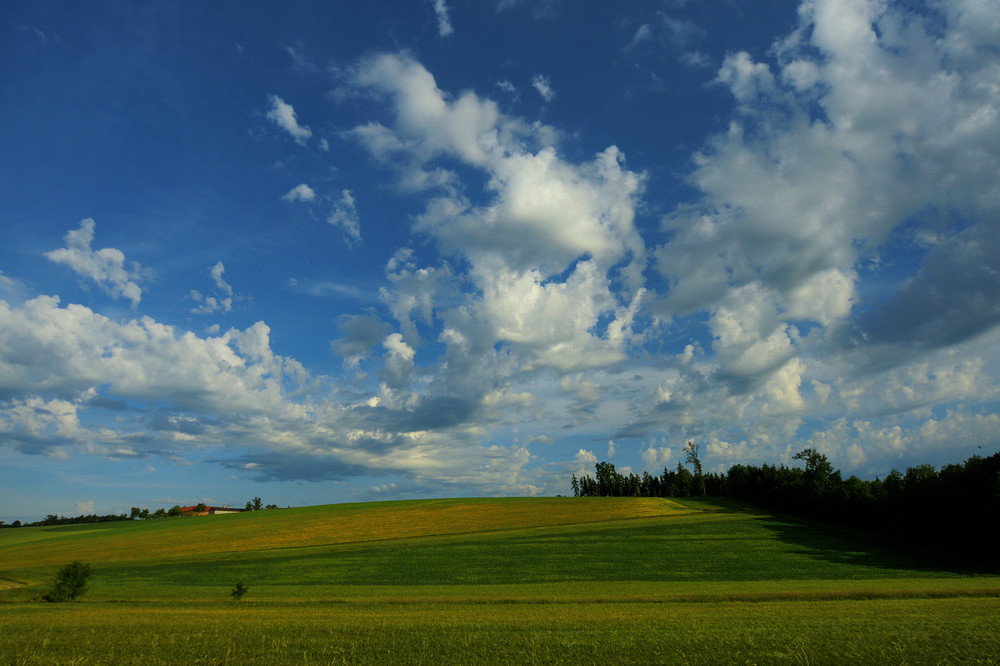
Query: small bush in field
(70, 582)
(239, 591)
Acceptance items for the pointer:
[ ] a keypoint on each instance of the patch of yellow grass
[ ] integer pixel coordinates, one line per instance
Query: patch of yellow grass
(317, 526)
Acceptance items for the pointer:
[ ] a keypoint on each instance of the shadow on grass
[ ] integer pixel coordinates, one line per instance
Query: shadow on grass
(839, 545)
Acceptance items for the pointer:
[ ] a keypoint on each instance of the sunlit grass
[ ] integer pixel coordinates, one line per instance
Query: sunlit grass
(311, 526)
(894, 631)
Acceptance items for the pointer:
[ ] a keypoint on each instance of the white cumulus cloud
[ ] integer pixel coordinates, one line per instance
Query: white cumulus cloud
(300, 192)
(283, 115)
(107, 266)
(543, 217)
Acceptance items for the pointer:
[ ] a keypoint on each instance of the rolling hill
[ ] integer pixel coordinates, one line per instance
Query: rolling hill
(546, 577)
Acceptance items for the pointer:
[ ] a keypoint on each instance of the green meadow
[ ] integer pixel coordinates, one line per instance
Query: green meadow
(555, 580)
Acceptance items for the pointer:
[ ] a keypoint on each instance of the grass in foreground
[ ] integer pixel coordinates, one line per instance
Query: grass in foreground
(915, 631)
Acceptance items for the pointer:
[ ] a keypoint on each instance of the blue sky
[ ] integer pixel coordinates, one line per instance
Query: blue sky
(323, 252)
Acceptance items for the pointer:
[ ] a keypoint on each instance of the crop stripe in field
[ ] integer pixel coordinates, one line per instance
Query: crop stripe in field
(511, 531)
(735, 598)
(986, 593)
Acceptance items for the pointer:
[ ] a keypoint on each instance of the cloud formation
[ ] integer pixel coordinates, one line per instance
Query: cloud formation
(443, 22)
(345, 216)
(185, 393)
(107, 266)
(829, 280)
(300, 192)
(854, 137)
(842, 149)
(553, 255)
(544, 87)
(222, 301)
(283, 115)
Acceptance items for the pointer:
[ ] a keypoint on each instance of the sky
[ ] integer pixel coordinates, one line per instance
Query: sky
(322, 252)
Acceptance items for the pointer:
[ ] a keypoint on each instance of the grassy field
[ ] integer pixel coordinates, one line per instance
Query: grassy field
(609, 580)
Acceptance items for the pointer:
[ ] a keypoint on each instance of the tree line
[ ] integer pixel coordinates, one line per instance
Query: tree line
(53, 519)
(681, 482)
(958, 502)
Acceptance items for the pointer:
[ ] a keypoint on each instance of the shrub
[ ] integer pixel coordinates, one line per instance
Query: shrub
(239, 591)
(70, 582)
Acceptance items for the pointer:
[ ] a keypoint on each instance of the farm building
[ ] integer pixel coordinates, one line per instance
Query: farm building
(204, 510)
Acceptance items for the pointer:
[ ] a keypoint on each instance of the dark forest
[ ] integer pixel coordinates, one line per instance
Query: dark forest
(956, 507)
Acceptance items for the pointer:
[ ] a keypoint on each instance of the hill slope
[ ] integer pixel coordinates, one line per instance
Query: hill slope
(311, 526)
(557, 546)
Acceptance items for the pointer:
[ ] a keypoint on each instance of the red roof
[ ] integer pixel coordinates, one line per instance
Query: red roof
(208, 509)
